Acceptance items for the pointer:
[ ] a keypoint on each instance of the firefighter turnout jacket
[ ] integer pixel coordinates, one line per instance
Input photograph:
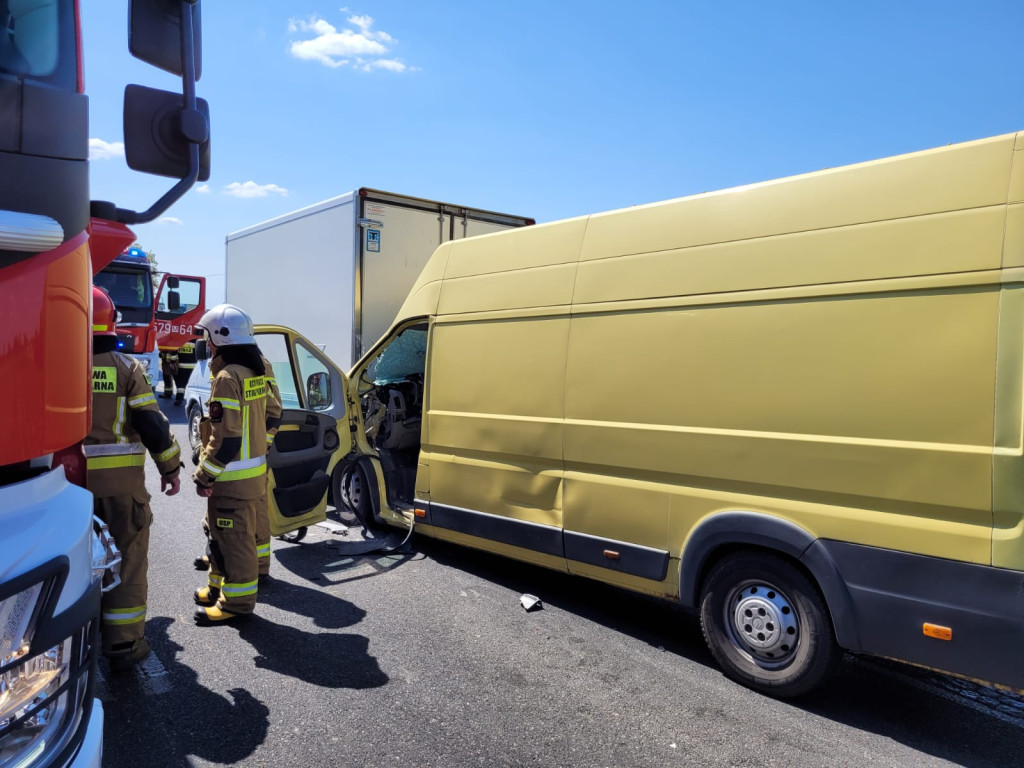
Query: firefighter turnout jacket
(126, 421)
(233, 460)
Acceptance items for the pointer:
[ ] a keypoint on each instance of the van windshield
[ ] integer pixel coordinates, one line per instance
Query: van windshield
(403, 357)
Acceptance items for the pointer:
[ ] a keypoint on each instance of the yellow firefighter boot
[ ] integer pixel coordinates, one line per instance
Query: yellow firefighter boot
(208, 616)
(206, 595)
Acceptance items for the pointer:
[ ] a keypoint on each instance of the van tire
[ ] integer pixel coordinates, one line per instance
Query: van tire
(353, 490)
(788, 646)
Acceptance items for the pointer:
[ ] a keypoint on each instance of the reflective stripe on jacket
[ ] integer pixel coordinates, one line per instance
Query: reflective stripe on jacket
(114, 452)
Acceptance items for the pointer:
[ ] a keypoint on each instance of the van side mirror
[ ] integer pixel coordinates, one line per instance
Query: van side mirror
(154, 34)
(202, 353)
(173, 301)
(318, 390)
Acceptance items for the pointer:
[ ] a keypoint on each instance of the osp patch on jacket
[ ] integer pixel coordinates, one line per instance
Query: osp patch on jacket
(225, 522)
(216, 411)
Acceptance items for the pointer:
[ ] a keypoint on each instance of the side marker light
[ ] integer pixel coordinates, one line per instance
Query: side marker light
(421, 513)
(939, 633)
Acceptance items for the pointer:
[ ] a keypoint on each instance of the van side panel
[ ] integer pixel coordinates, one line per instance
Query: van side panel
(495, 446)
(864, 418)
(1008, 466)
(972, 175)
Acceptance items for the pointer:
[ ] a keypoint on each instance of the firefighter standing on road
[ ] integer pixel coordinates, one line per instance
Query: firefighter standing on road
(169, 369)
(232, 465)
(274, 409)
(186, 357)
(126, 421)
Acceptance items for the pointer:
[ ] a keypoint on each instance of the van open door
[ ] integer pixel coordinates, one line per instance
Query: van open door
(314, 433)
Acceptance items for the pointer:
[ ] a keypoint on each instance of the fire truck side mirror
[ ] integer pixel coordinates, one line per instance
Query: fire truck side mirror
(173, 301)
(158, 132)
(202, 353)
(154, 34)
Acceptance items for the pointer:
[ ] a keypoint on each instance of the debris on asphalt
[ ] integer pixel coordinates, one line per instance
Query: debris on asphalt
(531, 603)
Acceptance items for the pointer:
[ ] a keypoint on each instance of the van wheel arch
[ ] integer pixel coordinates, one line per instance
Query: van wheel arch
(729, 533)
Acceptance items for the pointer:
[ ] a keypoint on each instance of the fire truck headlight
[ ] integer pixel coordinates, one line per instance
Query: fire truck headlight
(31, 708)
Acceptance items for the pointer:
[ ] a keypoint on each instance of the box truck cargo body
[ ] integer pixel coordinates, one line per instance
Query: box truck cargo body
(349, 262)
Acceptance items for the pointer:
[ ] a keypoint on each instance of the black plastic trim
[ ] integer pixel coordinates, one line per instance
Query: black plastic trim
(730, 528)
(895, 593)
(546, 539)
(636, 560)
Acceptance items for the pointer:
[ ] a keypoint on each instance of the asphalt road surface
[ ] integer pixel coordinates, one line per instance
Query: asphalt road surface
(425, 657)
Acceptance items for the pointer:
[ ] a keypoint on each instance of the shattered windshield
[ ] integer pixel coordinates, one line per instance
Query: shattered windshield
(403, 357)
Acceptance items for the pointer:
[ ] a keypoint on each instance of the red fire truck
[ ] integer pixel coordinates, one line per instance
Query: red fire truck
(151, 323)
(52, 563)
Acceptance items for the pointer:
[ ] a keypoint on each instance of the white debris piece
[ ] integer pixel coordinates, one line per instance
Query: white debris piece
(531, 602)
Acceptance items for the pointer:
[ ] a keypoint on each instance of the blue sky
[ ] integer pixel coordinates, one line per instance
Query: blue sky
(548, 110)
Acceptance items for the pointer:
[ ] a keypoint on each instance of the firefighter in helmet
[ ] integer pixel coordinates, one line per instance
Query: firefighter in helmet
(232, 468)
(274, 409)
(126, 422)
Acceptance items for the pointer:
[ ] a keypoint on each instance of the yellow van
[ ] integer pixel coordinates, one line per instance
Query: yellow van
(794, 406)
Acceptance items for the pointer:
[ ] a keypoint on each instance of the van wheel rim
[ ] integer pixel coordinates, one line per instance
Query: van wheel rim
(762, 623)
(193, 428)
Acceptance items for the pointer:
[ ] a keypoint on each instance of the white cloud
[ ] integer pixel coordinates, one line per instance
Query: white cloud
(204, 189)
(105, 150)
(252, 189)
(170, 220)
(391, 64)
(359, 45)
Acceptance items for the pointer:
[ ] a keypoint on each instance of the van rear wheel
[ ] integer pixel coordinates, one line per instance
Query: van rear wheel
(767, 625)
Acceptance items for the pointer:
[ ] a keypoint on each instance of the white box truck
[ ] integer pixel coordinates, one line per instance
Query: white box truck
(338, 271)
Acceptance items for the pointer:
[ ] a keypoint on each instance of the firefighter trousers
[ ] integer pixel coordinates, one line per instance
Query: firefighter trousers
(234, 569)
(124, 608)
(262, 539)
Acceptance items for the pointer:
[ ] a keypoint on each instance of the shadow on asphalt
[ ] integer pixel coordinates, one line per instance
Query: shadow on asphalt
(326, 659)
(862, 694)
(199, 714)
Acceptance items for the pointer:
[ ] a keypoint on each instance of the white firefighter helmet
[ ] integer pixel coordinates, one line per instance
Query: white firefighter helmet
(226, 325)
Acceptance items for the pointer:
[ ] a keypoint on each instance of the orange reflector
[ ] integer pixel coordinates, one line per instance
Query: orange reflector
(421, 513)
(940, 633)
(611, 554)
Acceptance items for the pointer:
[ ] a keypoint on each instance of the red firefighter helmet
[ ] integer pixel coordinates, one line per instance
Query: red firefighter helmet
(104, 314)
